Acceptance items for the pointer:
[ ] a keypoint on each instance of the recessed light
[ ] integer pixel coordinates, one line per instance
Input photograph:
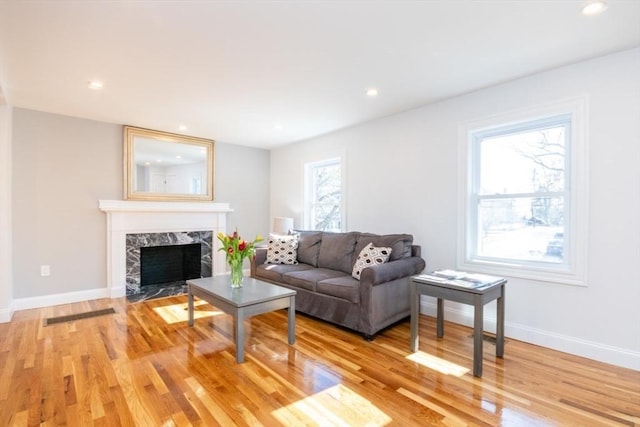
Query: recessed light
(372, 92)
(95, 85)
(278, 127)
(594, 7)
(182, 128)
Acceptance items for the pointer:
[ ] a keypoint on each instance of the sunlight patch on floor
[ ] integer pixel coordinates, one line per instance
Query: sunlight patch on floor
(437, 364)
(176, 313)
(334, 406)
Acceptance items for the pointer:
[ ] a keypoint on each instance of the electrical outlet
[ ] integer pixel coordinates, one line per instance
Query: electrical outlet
(45, 270)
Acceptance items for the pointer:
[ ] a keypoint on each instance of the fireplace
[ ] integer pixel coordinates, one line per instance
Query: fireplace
(168, 264)
(172, 251)
(132, 225)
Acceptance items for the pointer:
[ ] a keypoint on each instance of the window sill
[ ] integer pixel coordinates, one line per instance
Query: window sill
(494, 268)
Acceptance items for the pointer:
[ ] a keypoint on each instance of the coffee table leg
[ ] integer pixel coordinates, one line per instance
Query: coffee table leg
(440, 318)
(291, 311)
(414, 342)
(478, 316)
(238, 329)
(190, 304)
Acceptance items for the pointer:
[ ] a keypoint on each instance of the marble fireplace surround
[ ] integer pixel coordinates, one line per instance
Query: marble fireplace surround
(134, 243)
(137, 217)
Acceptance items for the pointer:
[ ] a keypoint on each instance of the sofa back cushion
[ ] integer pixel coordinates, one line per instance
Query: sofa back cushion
(400, 244)
(309, 247)
(337, 251)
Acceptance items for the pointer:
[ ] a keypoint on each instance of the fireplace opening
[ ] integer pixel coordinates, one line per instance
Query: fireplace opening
(166, 264)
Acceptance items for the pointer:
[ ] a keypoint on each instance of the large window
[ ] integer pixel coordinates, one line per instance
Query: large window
(522, 203)
(323, 195)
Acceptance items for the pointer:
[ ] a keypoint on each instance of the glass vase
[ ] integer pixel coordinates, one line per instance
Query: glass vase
(236, 273)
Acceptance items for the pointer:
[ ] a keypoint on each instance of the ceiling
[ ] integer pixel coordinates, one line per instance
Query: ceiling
(267, 73)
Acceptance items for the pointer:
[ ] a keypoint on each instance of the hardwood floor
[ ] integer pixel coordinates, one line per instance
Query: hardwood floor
(143, 366)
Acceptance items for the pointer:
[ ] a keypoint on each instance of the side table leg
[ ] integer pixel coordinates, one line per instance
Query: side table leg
(478, 327)
(415, 312)
(190, 304)
(500, 324)
(292, 319)
(440, 318)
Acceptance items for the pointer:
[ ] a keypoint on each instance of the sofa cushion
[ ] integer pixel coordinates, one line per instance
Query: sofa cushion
(345, 287)
(336, 251)
(274, 272)
(309, 247)
(282, 249)
(369, 256)
(400, 244)
(307, 279)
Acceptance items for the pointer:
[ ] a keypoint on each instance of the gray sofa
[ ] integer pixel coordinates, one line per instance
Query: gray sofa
(326, 289)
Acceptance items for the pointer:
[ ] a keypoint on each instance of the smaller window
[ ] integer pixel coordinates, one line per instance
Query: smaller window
(323, 195)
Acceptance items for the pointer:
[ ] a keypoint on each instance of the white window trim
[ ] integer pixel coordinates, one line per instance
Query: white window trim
(341, 158)
(576, 272)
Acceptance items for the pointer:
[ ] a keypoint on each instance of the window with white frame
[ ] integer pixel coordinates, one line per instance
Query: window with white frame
(524, 196)
(323, 195)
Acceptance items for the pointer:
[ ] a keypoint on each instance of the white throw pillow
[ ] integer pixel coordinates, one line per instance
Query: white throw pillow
(282, 249)
(370, 256)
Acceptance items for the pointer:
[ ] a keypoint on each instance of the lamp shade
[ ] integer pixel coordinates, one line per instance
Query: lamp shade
(282, 224)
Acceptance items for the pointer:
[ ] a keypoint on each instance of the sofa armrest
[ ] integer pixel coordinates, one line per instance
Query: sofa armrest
(259, 258)
(393, 270)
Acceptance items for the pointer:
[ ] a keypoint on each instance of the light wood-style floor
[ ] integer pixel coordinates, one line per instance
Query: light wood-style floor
(143, 366)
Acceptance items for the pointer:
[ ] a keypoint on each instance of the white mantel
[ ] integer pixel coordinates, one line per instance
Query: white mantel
(128, 217)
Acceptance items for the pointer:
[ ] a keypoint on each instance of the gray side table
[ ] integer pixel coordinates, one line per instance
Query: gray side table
(442, 290)
(253, 298)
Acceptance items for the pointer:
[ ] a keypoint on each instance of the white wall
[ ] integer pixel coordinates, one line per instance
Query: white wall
(6, 264)
(242, 179)
(62, 167)
(402, 177)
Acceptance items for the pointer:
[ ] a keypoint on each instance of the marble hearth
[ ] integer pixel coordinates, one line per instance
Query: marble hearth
(141, 223)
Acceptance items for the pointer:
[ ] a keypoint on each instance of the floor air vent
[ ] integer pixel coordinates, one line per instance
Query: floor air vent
(71, 317)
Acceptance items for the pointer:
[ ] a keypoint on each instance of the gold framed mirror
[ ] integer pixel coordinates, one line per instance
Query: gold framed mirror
(164, 166)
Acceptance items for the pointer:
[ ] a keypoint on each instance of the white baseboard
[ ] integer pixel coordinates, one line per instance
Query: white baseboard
(57, 299)
(6, 314)
(592, 350)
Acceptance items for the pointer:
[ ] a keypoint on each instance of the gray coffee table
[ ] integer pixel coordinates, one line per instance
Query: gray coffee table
(253, 298)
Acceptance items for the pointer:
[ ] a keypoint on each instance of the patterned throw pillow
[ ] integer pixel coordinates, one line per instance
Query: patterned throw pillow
(370, 256)
(282, 249)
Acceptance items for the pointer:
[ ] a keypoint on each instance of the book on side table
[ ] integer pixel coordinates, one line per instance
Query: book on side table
(460, 278)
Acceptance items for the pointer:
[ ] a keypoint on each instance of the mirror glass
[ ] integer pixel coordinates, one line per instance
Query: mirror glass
(167, 166)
